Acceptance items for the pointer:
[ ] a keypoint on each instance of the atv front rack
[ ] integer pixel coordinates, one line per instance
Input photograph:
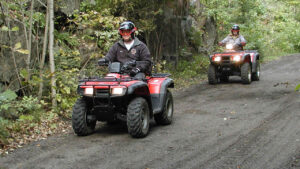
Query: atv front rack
(107, 79)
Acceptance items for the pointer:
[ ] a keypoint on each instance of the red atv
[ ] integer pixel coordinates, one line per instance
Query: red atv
(119, 97)
(233, 62)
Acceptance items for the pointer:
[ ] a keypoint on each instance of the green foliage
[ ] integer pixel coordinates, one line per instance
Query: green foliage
(68, 59)
(297, 87)
(189, 69)
(195, 37)
(11, 108)
(39, 19)
(98, 28)
(65, 38)
(7, 96)
(30, 105)
(67, 82)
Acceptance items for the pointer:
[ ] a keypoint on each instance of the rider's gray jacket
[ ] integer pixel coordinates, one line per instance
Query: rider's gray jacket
(238, 40)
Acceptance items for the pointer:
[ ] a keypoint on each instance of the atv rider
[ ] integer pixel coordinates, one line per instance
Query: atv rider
(235, 37)
(129, 49)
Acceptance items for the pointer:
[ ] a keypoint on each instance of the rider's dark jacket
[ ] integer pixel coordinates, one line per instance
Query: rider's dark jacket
(139, 52)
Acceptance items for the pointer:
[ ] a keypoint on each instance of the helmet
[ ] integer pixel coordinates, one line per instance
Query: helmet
(235, 28)
(127, 25)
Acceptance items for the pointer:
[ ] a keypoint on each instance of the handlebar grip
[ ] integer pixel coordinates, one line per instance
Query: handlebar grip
(103, 62)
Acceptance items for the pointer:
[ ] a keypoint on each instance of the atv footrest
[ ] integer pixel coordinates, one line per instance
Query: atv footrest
(122, 117)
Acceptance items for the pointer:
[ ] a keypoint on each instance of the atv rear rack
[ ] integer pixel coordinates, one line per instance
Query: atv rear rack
(158, 75)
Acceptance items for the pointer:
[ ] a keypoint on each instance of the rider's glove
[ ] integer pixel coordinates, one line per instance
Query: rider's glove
(102, 62)
(134, 71)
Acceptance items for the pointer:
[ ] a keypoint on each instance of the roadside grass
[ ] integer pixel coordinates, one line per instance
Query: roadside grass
(182, 83)
(270, 58)
(189, 72)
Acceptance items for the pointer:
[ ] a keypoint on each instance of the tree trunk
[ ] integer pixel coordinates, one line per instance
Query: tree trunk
(26, 39)
(42, 60)
(177, 37)
(29, 41)
(51, 52)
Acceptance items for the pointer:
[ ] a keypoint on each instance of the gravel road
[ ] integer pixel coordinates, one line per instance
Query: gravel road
(226, 126)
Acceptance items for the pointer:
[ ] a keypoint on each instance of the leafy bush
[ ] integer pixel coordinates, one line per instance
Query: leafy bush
(14, 112)
(100, 28)
(6, 105)
(12, 109)
(67, 82)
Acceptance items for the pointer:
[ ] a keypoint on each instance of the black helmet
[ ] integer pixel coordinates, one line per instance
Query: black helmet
(235, 28)
(127, 25)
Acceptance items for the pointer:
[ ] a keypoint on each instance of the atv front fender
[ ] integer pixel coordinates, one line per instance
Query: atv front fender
(141, 89)
(135, 86)
(246, 58)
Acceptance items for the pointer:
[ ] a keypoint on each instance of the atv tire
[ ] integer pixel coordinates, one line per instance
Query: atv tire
(246, 73)
(138, 117)
(212, 74)
(166, 116)
(256, 75)
(80, 124)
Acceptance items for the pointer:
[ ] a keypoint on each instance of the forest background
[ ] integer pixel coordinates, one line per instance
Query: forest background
(42, 57)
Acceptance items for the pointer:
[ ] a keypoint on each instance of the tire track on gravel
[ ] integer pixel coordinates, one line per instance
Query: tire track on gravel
(241, 154)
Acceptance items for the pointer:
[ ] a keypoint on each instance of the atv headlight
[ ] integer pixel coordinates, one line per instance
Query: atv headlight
(89, 91)
(217, 59)
(236, 58)
(118, 91)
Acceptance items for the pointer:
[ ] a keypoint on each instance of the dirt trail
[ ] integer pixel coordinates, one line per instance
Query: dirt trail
(221, 126)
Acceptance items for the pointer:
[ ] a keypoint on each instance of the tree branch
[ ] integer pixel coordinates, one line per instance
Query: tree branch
(43, 4)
